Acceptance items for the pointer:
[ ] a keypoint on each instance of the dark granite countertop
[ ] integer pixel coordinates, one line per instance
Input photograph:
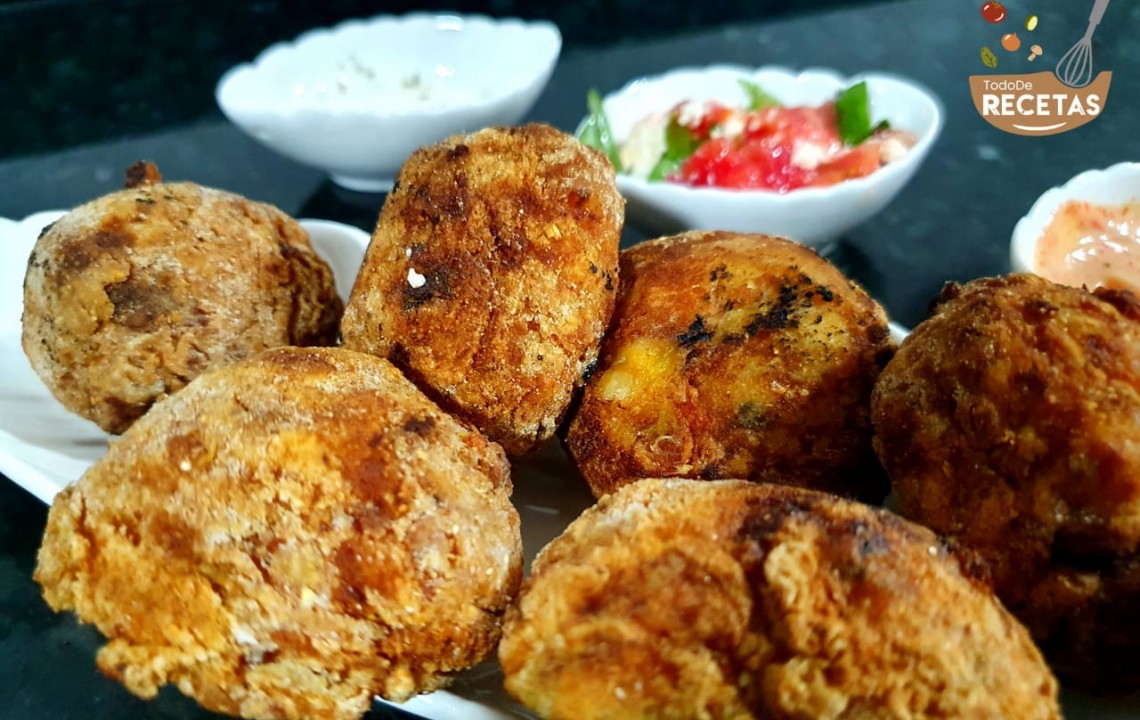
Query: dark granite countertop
(952, 222)
(80, 71)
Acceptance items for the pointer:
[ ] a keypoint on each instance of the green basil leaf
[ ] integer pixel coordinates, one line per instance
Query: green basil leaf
(758, 97)
(679, 141)
(679, 146)
(596, 131)
(853, 114)
(664, 167)
(588, 134)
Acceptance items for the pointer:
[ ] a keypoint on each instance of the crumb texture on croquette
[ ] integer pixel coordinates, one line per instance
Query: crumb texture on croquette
(129, 297)
(734, 355)
(287, 537)
(491, 276)
(1007, 421)
(729, 599)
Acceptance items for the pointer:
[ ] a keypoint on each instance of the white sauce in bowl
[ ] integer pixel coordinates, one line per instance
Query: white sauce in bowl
(353, 81)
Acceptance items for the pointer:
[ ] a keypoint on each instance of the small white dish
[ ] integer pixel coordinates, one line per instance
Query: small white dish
(812, 216)
(356, 99)
(1114, 185)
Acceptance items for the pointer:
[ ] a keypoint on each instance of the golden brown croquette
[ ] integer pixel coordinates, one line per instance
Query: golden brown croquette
(288, 536)
(678, 599)
(129, 297)
(734, 355)
(491, 276)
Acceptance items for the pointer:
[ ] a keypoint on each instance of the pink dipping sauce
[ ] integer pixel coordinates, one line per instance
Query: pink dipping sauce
(1092, 245)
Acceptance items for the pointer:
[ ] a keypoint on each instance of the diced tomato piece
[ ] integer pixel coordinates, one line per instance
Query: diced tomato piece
(814, 125)
(760, 157)
(766, 165)
(856, 163)
(759, 164)
(703, 166)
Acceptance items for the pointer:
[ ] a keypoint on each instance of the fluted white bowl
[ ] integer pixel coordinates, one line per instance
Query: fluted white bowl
(356, 99)
(813, 216)
(1113, 185)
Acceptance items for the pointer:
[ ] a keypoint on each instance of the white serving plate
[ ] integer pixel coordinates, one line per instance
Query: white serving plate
(43, 448)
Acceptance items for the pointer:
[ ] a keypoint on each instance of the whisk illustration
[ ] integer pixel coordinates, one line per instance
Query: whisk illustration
(1075, 68)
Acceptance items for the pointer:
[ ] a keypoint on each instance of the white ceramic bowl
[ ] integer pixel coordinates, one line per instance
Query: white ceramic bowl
(356, 99)
(1115, 185)
(813, 216)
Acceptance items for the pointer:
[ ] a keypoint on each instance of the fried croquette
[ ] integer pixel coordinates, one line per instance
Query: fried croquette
(491, 276)
(1008, 422)
(129, 297)
(730, 599)
(734, 355)
(287, 536)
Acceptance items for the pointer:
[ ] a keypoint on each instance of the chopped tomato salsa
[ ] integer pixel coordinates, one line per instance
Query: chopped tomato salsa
(766, 146)
(775, 148)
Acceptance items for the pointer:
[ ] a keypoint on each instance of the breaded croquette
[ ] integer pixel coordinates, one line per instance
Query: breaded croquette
(491, 276)
(734, 355)
(129, 297)
(1008, 421)
(288, 536)
(680, 599)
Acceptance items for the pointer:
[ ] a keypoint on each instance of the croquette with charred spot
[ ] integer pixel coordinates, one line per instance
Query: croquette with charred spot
(678, 599)
(490, 276)
(734, 355)
(129, 297)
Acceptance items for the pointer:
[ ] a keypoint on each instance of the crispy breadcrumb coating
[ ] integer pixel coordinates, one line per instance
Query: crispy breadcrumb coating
(288, 536)
(491, 276)
(734, 355)
(1008, 421)
(729, 599)
(129, 297)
